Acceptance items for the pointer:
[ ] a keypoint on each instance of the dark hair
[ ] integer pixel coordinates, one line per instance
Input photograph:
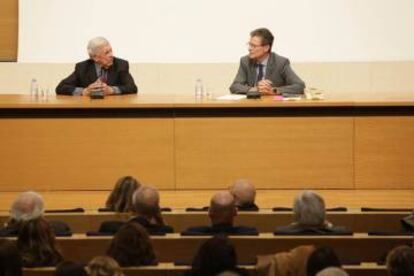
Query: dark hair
(400, 261)
(37, 245)
(265, 35)
(120, 199)
(322, 257)
(70, 268)
(131, 246)
(215, 255)
(10, 260)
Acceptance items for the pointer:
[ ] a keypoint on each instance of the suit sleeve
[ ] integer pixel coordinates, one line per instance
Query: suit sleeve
(127, 84)
(294, 85)
(239, 85)
(69, 84)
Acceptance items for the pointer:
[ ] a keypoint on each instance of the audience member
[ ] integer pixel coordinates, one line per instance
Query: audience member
(69, 268)
(400, 261)
(37, 245)
(104, 266)
(332, 271)
(10, 259)
(147, 213)
(244, 195)
(28, 206)
(292, 263)
(321, 258)
(222, 212)
(120, 199)
(214, 256)
(131, 246)
(309, 217)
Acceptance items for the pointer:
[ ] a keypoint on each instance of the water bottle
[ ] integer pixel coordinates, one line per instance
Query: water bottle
(199, 89)
(34, 89)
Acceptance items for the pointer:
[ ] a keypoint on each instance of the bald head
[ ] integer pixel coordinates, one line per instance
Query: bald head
(332, 271)
(27, 206)
(222, 208)
(146, 201)
(243, 191)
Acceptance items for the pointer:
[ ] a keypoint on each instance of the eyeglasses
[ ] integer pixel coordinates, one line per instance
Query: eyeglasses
(252, 46)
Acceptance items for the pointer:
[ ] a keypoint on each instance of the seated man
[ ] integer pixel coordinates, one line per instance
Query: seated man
(244, 195)
(309, 216)
(28, 206)
(222, 212)
(264, 71)
(147, 212)
(102, 71)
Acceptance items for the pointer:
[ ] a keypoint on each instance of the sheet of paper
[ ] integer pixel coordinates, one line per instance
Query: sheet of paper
(231, 97)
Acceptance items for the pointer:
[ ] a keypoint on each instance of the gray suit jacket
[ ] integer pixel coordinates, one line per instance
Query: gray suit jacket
(278, 70)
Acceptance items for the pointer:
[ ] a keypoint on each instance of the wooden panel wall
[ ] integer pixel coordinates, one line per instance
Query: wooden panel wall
(8, 30)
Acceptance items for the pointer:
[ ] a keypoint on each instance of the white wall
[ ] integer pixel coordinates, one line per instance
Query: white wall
(204, 31)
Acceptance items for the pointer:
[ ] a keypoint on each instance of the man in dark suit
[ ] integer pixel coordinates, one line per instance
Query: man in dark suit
(310, 218)
(102, 71)
(244, 194)
(147, 213)
(222, 212)
(28, 206)
(264, 71)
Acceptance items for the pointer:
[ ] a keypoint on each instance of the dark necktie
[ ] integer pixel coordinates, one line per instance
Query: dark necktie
(104, 75)
(260, 73)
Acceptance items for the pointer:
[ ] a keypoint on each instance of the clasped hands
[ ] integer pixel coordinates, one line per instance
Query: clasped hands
(96, 86)
(265, 87)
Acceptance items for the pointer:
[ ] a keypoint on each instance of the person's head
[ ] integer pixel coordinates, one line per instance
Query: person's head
(10, 259)
(309, 209)
(322, 257)
(100, 51)
(146, 202)
(214, 256)
(332, 271)
(104, 266)
(27, 206)
(37, 245)
(243, 192)
(260, 44)
(120, 199)
(131, 246)
(222, 208)
(70, 268)
(400, 261)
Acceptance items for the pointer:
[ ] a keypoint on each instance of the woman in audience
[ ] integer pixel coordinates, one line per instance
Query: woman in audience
(400, 261)
(214, 256)
(131, 246)
(69, 268)
(37, 245)
(321, 258)
(104, 266)
(309, 217)
(10, 260)
(120, 199)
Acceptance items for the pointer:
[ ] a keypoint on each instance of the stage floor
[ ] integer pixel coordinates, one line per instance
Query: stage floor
(91, 200)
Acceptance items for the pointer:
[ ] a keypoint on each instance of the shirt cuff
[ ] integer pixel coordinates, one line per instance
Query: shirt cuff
(77, 91)
(116, 89)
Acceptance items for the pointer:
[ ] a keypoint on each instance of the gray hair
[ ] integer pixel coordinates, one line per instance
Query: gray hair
(95, 44)
(332, 271)
(309, 209)
(27, 206)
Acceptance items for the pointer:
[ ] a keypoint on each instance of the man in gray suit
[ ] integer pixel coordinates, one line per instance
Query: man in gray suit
(264, 71)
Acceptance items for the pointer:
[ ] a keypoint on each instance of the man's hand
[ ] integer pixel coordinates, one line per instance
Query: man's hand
(265, 87)
(108, 90)
(97, 85)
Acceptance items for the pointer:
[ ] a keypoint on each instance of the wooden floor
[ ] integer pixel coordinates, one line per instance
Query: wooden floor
(265, 198)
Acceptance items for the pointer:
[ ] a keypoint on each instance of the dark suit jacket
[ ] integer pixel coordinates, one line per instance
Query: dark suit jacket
(297, 229)
(85, 74)
(278, 71)
(60, 228)
(111, 227)
(220, 229)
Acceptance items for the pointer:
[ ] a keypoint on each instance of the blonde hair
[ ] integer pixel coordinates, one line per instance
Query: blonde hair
(104, 266)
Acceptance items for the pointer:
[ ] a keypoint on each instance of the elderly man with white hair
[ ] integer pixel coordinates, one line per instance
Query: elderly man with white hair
(30, 206)
(310, 217)
(101, 72)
